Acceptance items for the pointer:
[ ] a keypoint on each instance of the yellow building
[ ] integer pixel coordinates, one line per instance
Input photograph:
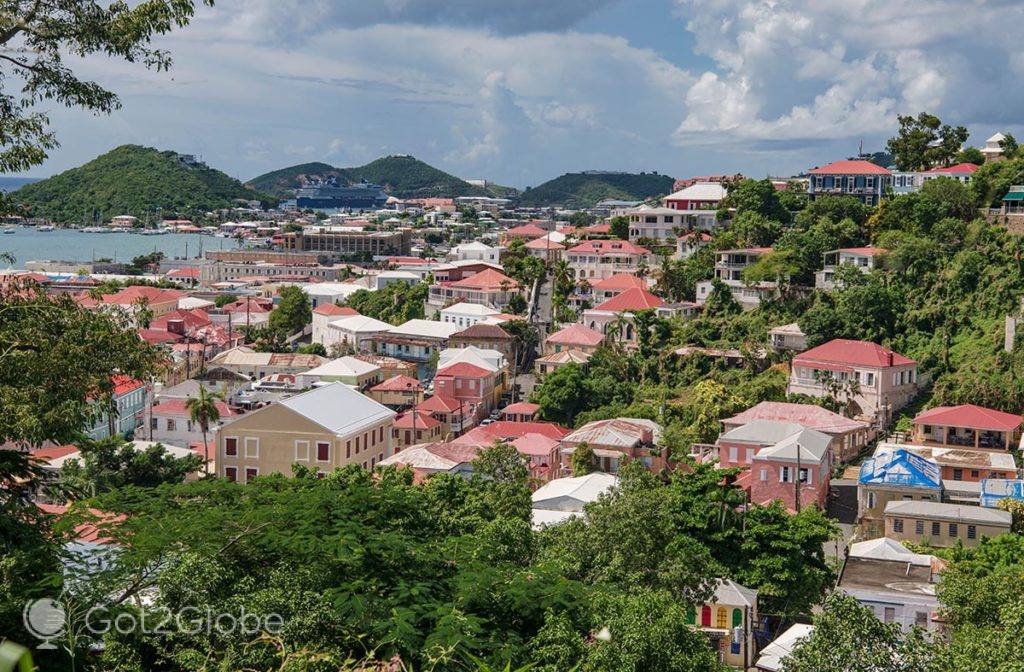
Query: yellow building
(728, 620)
(327, 427)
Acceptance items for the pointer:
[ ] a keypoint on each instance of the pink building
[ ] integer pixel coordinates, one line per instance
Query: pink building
(472, 385)
(797, 466)
(848, 436)
(488, 288)
(616, 440)
(604, 258)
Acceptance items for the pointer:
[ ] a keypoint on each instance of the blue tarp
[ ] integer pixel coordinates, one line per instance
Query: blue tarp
(901, 467)
(994, 490)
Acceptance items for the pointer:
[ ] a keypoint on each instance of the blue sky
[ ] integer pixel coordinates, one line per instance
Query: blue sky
(519, 91)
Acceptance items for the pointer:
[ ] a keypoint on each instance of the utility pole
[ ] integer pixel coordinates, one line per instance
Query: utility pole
(798, 477)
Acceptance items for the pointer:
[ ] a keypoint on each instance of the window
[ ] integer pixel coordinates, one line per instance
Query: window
(921, 619)
(972, 532)
(721, 618)
(348, 450)
(251, 473)
(737, 618)
(252, 446)
(805, 476)
(889, 614)
(231, 473)
(975, 473)
(170, 424)
(784, 475)
(733, 453)
(323, 451)
(381, 434)
(936, 531)
(302, 451)
(231, 446)
(919, 528)
(764, 475)
(871, 500)
(953, 530)
(154, 423)
(897, 525)
(357, 444)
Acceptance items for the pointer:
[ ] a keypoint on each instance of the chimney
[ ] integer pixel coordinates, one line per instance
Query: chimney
(888, 358)
(176, 327)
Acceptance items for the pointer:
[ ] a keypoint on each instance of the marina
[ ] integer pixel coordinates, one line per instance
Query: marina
(26, 243)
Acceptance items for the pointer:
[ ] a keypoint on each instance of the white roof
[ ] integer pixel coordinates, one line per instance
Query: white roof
(731, 593)
(399, 275)
(427, 328)
(359, 324)
(138, 446)
(332, 288)
(193, 302)
(651, 210)
(623, 432)
(805, 444)
(701, 191)
(543, 517)
(343, 366)
(470, 309)
(475, 246)
(335, 407)
(763, 431)
(582, 489)
(773, 654)
(997, 138)
(791, 329)
(884, 548)
(419, 457)
(492, 360)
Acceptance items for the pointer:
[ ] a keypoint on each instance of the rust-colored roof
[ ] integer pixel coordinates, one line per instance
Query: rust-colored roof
(398, 383)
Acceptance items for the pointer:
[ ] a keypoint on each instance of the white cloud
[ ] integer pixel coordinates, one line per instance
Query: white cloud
(803, 71)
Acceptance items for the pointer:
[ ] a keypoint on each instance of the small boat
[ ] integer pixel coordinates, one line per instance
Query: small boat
(46, 227)
(10, 230)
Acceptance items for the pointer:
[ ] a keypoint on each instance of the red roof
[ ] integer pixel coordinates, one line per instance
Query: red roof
(464, 370)
(869, 251)
(53, 452)
(958, 169)
(191, 273)
(152, 295)
(192, 319)
(485, 280)
(178, 407)
(158, 337)
(809, 415)
(535, 444)
(852, 353)
(423, 420)
(631, 299)
(509, 431)
(576, 334)
(544, 243)
(334, 309)
(620, 281)
(399, 383)
(969, 416)
(747, 250)
(603, 247)
(599, 228)
(851, 167)
(439, 404)
(125, 384)
(527, 231)
(522, 408)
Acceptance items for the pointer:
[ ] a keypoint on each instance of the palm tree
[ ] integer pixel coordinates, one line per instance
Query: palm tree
(202, 410)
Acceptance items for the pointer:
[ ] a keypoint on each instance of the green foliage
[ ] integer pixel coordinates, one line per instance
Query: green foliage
(292, 313)
(756, 230)
(584, 190)
(56, 365)
(924, 142)
(619, 227)
(37, 37)
(401, 176)
(991, 182)
(394, 304)
(583, 460)
(312, 349)
(755, 197)
(848, 637)
(561, 394)
(970, 155)
(132, 180)
(113, 463)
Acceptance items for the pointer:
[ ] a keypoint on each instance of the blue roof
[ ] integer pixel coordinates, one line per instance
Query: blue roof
(994, 490)
(900, 467)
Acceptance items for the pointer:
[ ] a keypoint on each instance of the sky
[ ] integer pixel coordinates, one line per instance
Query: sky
(520, 91)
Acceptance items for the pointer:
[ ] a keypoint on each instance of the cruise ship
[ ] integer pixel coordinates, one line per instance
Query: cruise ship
(329, 195)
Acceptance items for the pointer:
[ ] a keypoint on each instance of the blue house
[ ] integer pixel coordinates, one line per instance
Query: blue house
(863, 180)
(129, 401)
(995, 490)
(895, 475)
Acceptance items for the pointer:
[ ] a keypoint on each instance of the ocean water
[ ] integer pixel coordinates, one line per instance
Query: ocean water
(27, 244)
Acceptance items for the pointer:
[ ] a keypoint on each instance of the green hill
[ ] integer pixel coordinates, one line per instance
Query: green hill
(401, 176)
(586, 189)
(133, 180)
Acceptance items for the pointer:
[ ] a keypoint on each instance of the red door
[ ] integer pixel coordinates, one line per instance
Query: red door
(705, 616)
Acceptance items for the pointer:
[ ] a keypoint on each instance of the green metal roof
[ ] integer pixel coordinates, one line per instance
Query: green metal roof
(1014, 196)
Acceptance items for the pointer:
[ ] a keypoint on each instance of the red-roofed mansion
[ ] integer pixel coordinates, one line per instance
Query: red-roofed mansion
(602, 259)
(863, 180)
(489, 288)
(875, 379)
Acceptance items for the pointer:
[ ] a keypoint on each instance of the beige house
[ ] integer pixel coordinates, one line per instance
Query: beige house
(943, 524)
(325, 428)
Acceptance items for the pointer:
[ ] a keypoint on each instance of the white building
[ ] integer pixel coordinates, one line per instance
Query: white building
(330, 292)
(992, 149)
(415, 340)
(729, 270)
(385, 278)
(467, 314)
(564, 498)
(355, 331)
(863, 259)
(476, 251)
(697, 204)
